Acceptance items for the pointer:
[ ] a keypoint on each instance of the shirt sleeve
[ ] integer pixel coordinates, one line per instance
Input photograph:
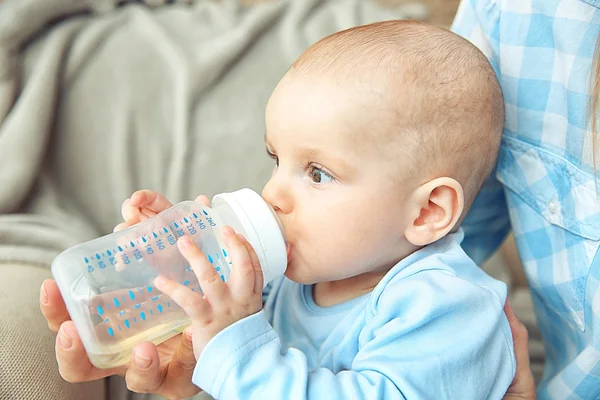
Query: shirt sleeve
(487, 223)
(447, 343)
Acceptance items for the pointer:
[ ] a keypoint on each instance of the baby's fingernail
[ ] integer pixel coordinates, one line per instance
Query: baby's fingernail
(228, 231)
(141, 361)
(64, 341)
(43, 295)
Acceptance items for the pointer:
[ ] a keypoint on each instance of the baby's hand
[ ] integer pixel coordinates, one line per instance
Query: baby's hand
(144, 204)
(222, 303)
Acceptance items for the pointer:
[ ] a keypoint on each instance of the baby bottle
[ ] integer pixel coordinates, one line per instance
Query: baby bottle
(108, 283)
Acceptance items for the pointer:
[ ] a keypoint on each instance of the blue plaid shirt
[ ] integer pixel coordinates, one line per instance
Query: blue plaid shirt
(543, 187)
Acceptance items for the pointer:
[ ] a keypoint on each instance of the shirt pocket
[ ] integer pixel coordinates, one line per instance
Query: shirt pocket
(555, 216)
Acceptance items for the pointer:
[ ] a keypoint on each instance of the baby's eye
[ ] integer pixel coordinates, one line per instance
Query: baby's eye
(317, 175)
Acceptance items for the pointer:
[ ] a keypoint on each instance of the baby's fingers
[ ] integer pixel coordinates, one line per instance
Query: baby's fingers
(148, 200)
(120, 227)
(258, 278)
(202, 199)
(192, 303)
(131, 215)
(243, 278)
(209, 280)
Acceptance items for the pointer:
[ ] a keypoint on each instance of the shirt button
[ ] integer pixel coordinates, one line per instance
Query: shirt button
(552, 207)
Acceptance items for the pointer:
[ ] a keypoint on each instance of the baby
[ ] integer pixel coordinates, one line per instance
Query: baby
(382, 136)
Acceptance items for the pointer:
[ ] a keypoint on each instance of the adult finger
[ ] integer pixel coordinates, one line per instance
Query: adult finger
(523, 384)
(73, 362)
(209, 280)
(143, 375)
(520, 337)
(178, 380)
(52, 305)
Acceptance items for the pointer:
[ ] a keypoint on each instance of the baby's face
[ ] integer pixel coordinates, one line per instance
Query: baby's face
(340, 201)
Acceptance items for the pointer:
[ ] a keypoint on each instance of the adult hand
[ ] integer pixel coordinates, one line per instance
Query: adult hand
(523, 384)
(165, 369)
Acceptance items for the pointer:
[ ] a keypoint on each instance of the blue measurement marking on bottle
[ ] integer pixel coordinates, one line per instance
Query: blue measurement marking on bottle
(121, 313)
(175, 224)
(165, 230)
(131, 244)
(223, 278)
(224, 252)
(144, 239)
(186, 220)
(155, 298)
(97, 256)
(86, 260)
(120, 248)
(126, 322)
(135, 320)
(195, 215)
(168, 304)
(143, 315)
(204, 212)
(137, 305)
(154, 234)
(151, 313)
(185, 283)
(159, 308)
(111, 332)
(131, 295)
(149, 289)
(100, 310)
(116, 302)
(210, 259)
(109, 253)
(107, 305)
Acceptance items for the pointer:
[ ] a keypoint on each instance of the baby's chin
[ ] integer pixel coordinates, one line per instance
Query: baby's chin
(299, 275)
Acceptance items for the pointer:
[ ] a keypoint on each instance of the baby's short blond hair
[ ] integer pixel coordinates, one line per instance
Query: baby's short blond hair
(437, 93)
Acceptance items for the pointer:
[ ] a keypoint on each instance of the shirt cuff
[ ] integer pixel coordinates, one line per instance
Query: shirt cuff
(228, 348)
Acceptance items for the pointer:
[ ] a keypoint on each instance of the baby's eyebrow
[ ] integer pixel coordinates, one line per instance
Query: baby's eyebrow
(310, 153)
(332, 160)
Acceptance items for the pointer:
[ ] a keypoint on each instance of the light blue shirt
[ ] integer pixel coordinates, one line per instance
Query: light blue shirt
(543, 188)
(433, 328)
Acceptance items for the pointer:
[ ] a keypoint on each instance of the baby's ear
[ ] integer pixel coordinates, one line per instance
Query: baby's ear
(436, 206)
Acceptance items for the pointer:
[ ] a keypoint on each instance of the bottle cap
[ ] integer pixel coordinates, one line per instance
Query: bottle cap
(263, 229)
